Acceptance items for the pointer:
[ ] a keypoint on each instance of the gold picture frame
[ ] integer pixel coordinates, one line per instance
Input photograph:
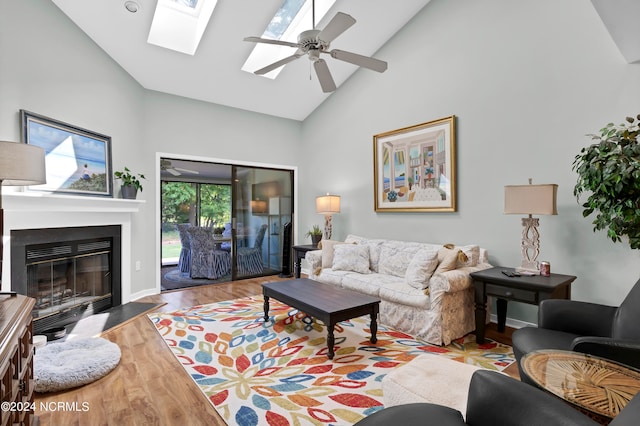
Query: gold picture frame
(414, 168)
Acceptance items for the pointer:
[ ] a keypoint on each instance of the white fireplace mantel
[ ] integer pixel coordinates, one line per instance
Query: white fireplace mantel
(26, 201)
(33, 210)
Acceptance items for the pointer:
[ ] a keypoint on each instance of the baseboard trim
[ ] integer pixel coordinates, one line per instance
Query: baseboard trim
(513, 323)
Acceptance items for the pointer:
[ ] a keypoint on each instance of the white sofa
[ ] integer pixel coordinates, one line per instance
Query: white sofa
(425, 289)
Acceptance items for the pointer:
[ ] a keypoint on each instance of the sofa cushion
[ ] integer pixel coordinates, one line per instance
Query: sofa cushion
(329, 276)
(371, 283)
(351, 257)
(403, 294)
(421, 267)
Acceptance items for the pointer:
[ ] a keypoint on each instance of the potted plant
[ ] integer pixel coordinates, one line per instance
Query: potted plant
(609, 171)
(130, 183)
(315, 233)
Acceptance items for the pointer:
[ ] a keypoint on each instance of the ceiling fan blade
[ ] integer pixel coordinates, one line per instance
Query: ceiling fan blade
(362, 61)
(195, 172)
(339, 24)
(270, 41)
(278, 64)
(324, 76)
(174, 172)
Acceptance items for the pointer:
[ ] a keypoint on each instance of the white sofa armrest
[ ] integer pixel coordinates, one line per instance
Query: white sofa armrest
(314, 261)
(455, 280)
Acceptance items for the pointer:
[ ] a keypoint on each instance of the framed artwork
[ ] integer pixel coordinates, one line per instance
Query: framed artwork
(78, 161)
(414, 168)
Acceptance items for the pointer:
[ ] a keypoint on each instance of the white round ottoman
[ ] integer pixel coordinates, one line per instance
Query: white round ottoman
(76, 362)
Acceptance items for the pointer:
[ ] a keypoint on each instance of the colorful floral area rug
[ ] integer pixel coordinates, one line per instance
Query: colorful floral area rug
(277, 372)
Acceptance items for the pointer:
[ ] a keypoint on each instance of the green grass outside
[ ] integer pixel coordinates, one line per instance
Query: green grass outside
(171, 244)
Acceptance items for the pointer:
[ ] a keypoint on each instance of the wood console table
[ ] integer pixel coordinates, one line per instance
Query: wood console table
(16, 360)
(531, 289)
(299, 252)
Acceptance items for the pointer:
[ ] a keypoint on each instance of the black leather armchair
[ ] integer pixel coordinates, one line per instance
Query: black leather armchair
(495, 399)
(604, 331)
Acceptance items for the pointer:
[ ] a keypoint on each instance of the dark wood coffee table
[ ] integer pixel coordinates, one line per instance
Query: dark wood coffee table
(325, 302)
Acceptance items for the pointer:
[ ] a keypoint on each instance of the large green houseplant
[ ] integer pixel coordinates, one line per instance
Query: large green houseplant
(609, 172)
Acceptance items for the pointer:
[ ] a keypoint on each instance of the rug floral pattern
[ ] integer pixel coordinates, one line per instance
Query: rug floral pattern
(278, 373)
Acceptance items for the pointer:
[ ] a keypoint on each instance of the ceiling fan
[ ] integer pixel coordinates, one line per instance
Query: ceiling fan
(167, 166)
(314, 42)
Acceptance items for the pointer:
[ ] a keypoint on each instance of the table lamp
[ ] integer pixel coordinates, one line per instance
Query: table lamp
(20, 164)
(327, 205)
(530, 199)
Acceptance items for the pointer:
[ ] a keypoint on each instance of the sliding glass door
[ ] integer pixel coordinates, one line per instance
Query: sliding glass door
(262, 205)
(195, 204)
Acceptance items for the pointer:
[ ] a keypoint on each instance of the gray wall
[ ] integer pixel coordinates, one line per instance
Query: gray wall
(526, 80)
(50, 67)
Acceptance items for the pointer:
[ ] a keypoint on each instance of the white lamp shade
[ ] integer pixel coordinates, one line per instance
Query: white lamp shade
(21, 164)
(328, 204)
(530, 199)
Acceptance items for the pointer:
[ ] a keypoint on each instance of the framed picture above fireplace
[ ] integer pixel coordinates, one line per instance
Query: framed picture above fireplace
(78, 160)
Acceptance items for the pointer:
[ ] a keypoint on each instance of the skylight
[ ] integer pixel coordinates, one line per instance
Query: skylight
(189, 3)
(293, 17)
(179, 24)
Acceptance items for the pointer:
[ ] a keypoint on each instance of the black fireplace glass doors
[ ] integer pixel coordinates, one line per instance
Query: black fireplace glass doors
(61, 284)
(72, 272)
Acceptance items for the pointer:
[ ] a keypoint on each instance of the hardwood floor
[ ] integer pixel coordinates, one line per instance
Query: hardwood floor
(149, 387)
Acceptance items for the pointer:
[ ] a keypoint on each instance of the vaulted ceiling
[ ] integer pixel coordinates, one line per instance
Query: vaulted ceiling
(213, 73)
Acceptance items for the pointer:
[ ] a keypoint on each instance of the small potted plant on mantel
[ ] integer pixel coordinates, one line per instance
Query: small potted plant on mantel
(130, 183)
(315, 233)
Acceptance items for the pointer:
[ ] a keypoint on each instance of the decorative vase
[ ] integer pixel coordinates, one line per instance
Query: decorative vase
(129, 192)
(315, 239)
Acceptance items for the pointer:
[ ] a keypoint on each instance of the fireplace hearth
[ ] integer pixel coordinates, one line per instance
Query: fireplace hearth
(71, 272)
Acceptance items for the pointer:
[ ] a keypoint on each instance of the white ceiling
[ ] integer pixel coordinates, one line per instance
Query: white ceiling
(213, 74)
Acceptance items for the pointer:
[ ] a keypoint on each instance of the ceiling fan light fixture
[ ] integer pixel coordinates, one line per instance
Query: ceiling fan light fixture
(313, 43)
(131, 6)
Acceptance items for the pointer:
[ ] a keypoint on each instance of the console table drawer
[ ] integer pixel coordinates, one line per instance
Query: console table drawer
(511, 293)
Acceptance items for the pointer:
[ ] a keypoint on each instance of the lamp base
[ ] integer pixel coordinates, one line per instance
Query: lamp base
(327, 227)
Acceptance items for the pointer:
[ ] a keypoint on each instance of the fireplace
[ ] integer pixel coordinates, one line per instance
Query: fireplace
(71, 272)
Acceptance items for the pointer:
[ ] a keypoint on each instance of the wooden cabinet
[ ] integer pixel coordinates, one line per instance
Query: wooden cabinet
(16, 360)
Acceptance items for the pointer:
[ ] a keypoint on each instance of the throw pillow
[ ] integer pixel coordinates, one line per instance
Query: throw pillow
(421, 268)
(327, 252)
(473, 255)
(448, 258)
(395, 258)
(351, 257)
